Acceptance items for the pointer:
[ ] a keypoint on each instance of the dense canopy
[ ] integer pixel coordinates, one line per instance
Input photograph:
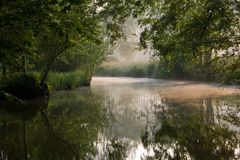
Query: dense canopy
(188, 36)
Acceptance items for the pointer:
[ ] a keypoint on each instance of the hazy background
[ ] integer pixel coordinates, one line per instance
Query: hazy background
(127, 51)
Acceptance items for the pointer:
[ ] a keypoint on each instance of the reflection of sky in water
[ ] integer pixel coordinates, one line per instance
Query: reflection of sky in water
(131, 102)
(130, 106)
(126, 118)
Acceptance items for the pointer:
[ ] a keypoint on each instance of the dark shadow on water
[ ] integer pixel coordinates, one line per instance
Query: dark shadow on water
(62, 130)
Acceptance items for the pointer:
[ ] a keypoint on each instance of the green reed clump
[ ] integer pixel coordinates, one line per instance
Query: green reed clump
(135, 70)
(66, 80)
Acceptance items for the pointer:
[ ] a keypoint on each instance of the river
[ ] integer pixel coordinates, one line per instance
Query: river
(127, 118)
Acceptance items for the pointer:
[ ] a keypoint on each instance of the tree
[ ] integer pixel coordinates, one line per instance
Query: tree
(68, 28)
(43, 30)
(18, 26)
(191, 30)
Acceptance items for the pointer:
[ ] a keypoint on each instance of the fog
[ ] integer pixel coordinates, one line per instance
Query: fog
(128, 50)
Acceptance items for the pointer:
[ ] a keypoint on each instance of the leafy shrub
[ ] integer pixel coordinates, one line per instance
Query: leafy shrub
(66, 80)
(135, 70)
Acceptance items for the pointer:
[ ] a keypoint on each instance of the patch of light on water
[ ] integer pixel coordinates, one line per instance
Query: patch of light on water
(139, 152)
(237, 151)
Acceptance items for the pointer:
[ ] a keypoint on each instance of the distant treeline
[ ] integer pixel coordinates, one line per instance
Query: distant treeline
(160, 69)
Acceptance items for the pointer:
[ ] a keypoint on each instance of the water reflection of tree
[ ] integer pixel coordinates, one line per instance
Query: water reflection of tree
(116, 150)
(11, 145)
(68, 129)
(185, 134)
(13, 142)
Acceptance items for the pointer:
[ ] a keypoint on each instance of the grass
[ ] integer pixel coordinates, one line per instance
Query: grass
(160, 70)
(66, 80)
(128, 70)
(59, 80)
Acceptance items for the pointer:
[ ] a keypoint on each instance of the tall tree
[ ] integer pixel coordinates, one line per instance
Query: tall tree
(191, 29)
(46, 29)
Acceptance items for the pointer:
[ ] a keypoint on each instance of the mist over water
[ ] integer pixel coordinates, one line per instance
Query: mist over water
(138, 107)
(64, 96)
(128, 118)
(128, 50)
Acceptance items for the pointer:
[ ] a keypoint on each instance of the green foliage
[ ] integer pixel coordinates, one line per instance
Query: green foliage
(44, 30)
(18, 21)
(188, 35)
(227, 71)
(85, 56)
(191, 26)
(66, 80)
(131, 70)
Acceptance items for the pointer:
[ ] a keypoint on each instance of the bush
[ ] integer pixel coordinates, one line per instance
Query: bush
(231, 77)
(135, 70)
(66, 80)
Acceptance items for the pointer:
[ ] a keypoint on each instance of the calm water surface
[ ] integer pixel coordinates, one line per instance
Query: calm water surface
(127, 118)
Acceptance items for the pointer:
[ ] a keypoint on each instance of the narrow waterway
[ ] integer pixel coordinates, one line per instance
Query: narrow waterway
(128, 118)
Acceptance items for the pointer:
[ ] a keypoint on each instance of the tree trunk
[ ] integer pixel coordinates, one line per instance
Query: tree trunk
(52, 132)
(45, 74)
(4, 70)
(25, 64)
(206, 58)
(46, 71)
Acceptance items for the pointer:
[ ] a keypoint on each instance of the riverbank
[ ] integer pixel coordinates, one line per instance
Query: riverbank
(28, 86)
(160, 71)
